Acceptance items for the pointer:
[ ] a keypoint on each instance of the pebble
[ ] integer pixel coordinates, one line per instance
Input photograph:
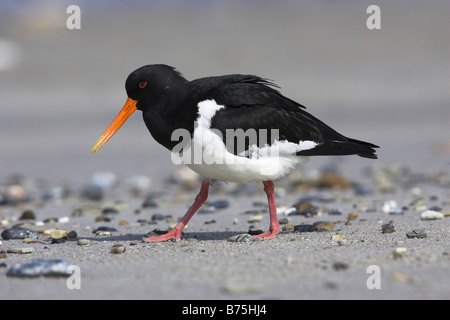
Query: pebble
(324, 226)
(255, 232)
(138, 184)
(207, 209)
(27, 215)
(288, 227)
(340, 266)
(388, 206)
(118, 249)
(41, 267)
(336, 237)
(431, 215)
(9, 234)
(83, 242)
(284, 220)
(58, 240)
(399, 252)
(245, 237)
(305, 228)
(219, 204)
(149, 202)
(417, 204)
(417, 233)
(58, 234)
(388, 228)
(242, 288)
(20, 250)
(352, 216)
(396, 211)
(104, 228)
(255, 218)
(72, 235)
(335, 212)
(158, 217)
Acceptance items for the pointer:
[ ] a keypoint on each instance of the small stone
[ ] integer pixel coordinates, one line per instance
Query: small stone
(418, 205)
(58, 234)
(396, 211)
(389, 205)
(388, 228)
(255, 218)
(102, 233)
(335, 212)
(401, 277)
(158, 217)
(207, 209)
(284, 220)
(58, 240)
(219, 204)
(245, 237)
(104, 228)
(340, 266)
(110, 210)
(83, 242)
(255, 232)
(417, 233)
(324, 226)
(103, 218)
(118, 249)
(27, 215)
(431, 215)
(288, 227)
(21, 250)
(41, 267)
(338, 237)
(9, 234)
(149, 202)
(305, 228)
(240, 288)
(399, 252)
(72, 235)
(123, 223)
(352, 216)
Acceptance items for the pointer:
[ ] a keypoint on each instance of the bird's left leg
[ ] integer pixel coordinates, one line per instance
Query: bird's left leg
(175, 233)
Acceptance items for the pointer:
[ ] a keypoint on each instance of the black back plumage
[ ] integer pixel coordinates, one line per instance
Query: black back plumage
(255, 103)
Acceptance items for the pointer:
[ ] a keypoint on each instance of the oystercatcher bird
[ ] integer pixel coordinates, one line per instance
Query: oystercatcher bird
(228, 128)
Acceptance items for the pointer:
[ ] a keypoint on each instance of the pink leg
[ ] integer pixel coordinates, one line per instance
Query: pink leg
(274, 227)
(175, 233)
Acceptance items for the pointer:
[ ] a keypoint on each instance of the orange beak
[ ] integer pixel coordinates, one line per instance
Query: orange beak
(124, 114)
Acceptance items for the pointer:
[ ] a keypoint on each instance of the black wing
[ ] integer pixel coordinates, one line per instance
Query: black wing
(255, 103)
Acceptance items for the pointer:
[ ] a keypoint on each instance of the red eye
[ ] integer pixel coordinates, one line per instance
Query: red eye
(142, 84)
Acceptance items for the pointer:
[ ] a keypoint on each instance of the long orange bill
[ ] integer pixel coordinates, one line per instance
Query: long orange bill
(124, 114)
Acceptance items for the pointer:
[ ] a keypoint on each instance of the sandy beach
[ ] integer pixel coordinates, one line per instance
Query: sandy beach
(61, 88)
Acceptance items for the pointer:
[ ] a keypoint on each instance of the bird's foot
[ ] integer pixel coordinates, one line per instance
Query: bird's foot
(173, 235)
(268, 234)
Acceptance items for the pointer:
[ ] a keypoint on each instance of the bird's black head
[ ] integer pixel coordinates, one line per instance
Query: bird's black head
(151, 83)
(147, 87)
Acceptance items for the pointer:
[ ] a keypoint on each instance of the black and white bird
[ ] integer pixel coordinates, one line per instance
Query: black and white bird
(229, 128)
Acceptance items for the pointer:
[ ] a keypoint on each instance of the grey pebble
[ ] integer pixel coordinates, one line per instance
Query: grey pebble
(305, 228)
(219, 204)
(388, 228)
(21, 250)
(417, 233)
(83, 242)
(41, 267)
(104, 228)
(244, 237)
(9, 234)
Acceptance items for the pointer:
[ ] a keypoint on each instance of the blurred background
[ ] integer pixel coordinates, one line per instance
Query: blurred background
(61, 88)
